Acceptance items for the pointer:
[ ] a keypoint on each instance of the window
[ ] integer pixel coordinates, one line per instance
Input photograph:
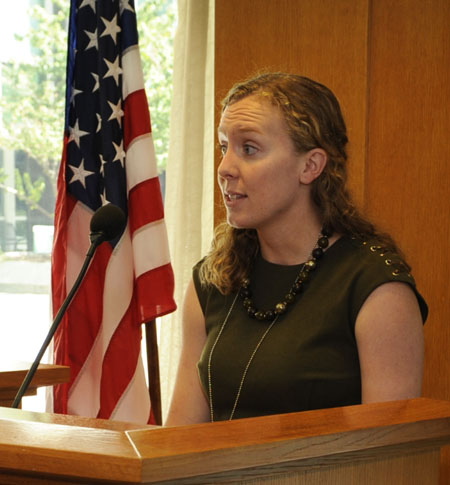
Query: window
(33, 36)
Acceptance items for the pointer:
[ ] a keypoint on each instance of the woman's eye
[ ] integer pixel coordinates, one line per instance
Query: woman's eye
(223, 149)
(249, 149)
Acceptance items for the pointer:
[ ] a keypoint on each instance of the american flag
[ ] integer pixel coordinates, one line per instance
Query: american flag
(108, 156)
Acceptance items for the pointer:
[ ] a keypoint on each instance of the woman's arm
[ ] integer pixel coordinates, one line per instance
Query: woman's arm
(389, 335)
(189, 404)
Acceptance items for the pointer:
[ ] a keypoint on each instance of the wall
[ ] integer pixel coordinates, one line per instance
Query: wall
(307, 37)
(389, 65)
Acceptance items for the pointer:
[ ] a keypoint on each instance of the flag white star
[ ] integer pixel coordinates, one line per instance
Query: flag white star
(103, 162)
(76, 133)
(80, 174)
(99, 122)
(96, 79)
(120, 154)
(93, 39)
(103, 198)
(117, 112)
(125, 5)
(114, 69)
(111, 28)
(73, 93)
(90, 3)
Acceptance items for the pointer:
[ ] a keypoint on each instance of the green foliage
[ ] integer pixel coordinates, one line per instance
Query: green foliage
(30, 191)
(33, 91)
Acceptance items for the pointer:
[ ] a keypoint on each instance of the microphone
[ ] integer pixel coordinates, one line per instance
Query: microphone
(107, 223)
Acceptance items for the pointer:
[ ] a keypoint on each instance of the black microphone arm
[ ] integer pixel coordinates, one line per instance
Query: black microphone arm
(107, 223)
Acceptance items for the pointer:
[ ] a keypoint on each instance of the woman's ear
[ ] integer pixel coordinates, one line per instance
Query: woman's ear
(313, 164)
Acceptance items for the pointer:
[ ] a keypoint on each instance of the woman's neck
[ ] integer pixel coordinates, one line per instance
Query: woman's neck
(291, 245)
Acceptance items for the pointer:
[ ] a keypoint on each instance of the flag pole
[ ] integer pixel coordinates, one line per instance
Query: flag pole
(154, 386)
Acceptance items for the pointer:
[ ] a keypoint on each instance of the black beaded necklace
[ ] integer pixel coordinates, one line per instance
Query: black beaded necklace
(297, 287)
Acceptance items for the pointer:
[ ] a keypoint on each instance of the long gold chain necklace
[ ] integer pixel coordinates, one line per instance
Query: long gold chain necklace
(272, 315)
(238, 394)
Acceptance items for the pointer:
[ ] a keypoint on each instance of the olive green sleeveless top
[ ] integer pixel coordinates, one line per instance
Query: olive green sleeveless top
(309, 358)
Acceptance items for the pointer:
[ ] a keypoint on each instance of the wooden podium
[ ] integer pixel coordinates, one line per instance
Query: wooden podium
(384, 443)
(12, 375)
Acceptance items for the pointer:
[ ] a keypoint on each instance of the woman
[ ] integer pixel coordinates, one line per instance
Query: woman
(301, 304)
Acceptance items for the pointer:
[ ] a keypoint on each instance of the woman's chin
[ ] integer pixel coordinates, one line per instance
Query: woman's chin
(238, 223)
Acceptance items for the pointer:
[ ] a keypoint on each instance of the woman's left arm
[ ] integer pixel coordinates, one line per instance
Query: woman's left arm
(389, 335)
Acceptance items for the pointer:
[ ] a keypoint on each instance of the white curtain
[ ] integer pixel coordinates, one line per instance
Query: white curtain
(189, 201)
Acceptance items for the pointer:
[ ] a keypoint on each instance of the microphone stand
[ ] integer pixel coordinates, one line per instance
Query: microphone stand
(96, 240)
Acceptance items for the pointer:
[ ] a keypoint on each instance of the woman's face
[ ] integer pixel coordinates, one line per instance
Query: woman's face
(259, 174)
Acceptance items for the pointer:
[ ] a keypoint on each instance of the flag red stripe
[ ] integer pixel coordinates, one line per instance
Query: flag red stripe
(65, 204)
(136, 119)
(138, 197)
(85, 307)
(63, 209)
(151, 288)
(152, 292)
(117, 372)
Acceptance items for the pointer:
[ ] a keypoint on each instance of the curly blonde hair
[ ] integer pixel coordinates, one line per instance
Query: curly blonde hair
(314, 120)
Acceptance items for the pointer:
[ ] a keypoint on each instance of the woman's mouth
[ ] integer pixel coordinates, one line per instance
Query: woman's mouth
(233, 197)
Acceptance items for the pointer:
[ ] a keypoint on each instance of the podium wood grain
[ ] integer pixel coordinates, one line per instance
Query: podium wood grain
(388, 443)
(12, 375)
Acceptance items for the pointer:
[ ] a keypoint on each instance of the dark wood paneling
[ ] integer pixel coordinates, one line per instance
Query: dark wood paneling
(408, 169)
(325, 40)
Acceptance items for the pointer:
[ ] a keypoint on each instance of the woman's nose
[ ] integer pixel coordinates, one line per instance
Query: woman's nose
(227, 167)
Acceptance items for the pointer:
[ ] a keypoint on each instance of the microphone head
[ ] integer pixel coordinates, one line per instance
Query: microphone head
(108, 222)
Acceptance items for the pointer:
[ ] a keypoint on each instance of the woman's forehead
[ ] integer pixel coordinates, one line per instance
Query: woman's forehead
(252, 113)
